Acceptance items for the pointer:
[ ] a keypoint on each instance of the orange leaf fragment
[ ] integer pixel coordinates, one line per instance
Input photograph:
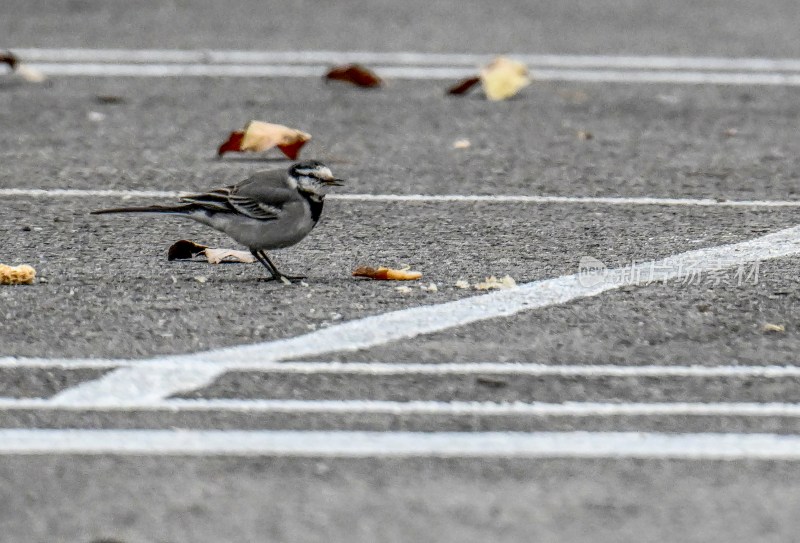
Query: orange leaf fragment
(463, 86)
(260, 136)
(355, 74)
(233, 143)
(386, 274)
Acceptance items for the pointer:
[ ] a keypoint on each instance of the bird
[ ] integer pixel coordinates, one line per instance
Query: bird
(272, 209)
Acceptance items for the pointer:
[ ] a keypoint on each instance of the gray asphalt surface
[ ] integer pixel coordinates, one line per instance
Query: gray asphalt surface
(106, 289)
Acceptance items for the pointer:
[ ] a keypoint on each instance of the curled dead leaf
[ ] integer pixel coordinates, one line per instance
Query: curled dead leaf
(504, 78)
(386, 274)
(17, 275)
(215, 256)
(23, 70)
(260, 136)
(7, 57)
(356, 74)
(501, 79)
(462, 87)
(184, 249)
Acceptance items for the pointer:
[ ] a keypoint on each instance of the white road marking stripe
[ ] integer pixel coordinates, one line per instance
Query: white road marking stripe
(451, 198)
(413, 72)
(416, 407)
(450, 368)
(130, 384)
(404, 58)
(402, 444)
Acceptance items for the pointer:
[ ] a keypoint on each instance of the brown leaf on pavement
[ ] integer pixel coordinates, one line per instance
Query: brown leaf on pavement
(356, 74)
(260, 136)
(184, 249)
(463, 86)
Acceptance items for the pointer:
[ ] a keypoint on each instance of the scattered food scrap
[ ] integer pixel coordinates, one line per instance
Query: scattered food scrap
(584, 135)
(461, 144)
(773, 328)
(501, 79)
(17, 275)
(356, 74)
(403, 290)
(462, 284)
(493, 283)
(430, 288)
(260, 136)
(387, 274)
(186, 249)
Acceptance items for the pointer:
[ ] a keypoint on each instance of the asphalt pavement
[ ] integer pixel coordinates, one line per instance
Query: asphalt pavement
(105, 291)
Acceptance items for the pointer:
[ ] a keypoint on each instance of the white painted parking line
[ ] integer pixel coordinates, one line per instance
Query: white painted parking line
(394, 368)
(415, 407)
(425, 198)
(409, 65)
(402, 444)
(132, 383)
(417, 73)
(404, 58)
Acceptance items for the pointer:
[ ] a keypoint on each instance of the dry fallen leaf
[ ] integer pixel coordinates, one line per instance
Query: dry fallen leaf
(215, 256)
(261, 136)
(7, 57)
(504, 78)
(501, 79)
(23, 70)
(386, 274)
(186, 249)
(17, 275)
(462, 87)
(492, 283)
(775, 328)
(355, 74)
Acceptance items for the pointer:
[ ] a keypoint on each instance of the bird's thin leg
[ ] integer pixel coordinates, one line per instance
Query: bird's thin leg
(267, 264)
(281, 276)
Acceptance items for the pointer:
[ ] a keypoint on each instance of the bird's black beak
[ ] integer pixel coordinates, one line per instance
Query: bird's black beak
(334, 182)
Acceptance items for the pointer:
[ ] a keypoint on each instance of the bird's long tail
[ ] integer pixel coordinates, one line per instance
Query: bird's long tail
(147, 209)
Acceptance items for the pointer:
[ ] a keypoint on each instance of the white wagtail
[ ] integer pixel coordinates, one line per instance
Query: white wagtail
(269, 210)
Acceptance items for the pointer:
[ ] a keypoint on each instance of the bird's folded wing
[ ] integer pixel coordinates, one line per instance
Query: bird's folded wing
(262, 203)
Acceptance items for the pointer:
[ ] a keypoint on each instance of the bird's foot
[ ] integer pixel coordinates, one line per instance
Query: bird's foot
(288, 279)
(285, 279)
